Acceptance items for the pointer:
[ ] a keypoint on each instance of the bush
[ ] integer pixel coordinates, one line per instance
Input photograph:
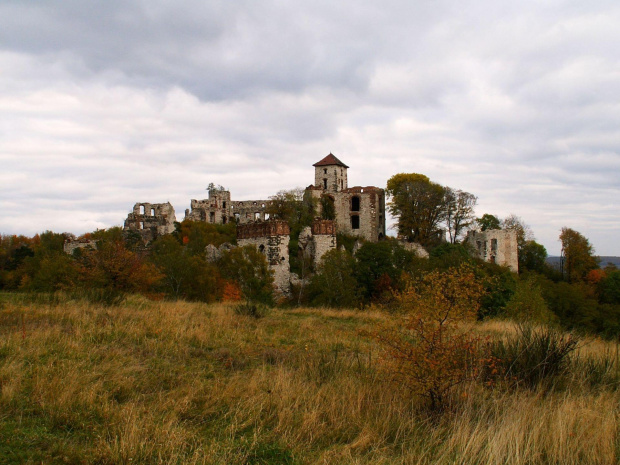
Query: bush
(251, 309)
(533, 356)
(430, 351)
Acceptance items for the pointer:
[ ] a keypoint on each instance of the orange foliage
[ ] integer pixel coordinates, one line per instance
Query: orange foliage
(595, 276)
(231, 292)
(430, 349)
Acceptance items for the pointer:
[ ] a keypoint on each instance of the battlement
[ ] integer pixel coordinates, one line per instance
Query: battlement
(263, 229)
(323, 227)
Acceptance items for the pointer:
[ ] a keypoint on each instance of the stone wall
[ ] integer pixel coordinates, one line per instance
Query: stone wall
(419, 250)
(71, 245)
(270, 238)
(323, 239)
(496, 246)
(151, 220)
(220, 209)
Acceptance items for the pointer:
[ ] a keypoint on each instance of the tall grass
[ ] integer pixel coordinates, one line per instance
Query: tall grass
(176, 382)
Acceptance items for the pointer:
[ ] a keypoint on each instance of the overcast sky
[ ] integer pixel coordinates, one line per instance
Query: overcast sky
(107, 103)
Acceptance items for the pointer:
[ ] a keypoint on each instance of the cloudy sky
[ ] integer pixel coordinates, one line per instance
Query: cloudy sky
(105, 103)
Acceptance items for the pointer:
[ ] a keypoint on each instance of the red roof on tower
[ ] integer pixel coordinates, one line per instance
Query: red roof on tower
(330, 160)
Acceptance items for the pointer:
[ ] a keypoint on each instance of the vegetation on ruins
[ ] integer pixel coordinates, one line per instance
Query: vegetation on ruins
(422, 207)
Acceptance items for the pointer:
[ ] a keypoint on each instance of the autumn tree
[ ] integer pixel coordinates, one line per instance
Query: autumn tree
(459, 212)
(247, 267)
(430, 349)
(293, 206)
(419, 206)
(578, 255)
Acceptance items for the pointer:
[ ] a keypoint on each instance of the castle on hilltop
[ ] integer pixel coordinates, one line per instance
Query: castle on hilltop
(357, 211)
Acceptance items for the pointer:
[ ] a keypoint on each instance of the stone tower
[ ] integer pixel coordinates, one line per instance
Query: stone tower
(271, 238)
(330, 174)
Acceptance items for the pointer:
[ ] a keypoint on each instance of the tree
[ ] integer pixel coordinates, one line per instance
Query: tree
(488, 222)
(249, 269)
(578, 255)
(293, 206)
(328, 209)
(431, 350)
(524, 235)
(459, 213)
(334, 284)
(419, 205)
(533, 257)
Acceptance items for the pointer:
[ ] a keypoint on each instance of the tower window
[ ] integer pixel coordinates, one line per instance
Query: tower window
(324, 170)
(324, 183)
(355, 204)
(355, 222)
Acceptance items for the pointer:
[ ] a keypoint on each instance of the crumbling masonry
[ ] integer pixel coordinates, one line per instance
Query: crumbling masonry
(151, 220)
(496, 246)
(270, 238)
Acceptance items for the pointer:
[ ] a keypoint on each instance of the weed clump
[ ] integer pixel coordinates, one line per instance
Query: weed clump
(251, 309)
(534, 356)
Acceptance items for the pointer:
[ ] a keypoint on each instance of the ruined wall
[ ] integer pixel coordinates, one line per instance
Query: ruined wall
(151, 220)
(220, 209)
(270, 238)
(419, 250)
(496, 246)
(323, 239)
(360, 211)
(71, 245)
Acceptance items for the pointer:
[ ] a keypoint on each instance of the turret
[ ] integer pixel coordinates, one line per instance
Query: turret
(330, 174)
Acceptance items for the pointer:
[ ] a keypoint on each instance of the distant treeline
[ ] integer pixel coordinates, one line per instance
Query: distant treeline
(176, 267)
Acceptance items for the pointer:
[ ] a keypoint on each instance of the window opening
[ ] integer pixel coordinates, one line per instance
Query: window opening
(257, 216)
(355, 204)
(152, 212)
(355, 222)
(324, 183)
(142, 209)
(212, 217)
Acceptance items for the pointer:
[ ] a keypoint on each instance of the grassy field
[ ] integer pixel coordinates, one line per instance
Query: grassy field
(176, 382)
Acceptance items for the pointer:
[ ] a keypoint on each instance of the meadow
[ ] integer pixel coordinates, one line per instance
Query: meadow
(150, 382)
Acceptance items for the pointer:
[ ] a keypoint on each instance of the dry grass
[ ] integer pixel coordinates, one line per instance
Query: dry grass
(160, 382)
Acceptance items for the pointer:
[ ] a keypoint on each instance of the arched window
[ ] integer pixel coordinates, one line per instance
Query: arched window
(355, 204)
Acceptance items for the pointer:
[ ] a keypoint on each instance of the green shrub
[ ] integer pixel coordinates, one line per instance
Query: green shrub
(533, 356)
(251, 309)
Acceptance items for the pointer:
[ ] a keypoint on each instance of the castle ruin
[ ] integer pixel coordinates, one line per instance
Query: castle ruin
(271, 238)
(495, 246)
(357, 211)
(151, 220)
